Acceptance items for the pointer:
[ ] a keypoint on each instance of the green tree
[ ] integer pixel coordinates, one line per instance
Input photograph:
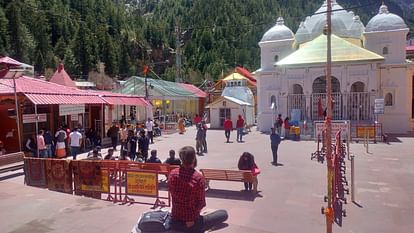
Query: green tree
(4, 37)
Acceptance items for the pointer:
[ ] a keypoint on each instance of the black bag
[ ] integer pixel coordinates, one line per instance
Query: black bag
(154, 221)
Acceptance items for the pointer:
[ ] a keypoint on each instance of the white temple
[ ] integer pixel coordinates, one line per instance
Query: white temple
(368, 63)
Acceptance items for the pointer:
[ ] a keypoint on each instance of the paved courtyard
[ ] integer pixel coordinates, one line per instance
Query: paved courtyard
(290, 199)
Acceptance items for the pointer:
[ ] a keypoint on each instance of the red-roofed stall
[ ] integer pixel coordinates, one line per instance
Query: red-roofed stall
(49, 105)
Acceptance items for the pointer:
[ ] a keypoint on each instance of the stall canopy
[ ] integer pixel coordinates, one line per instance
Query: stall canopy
(112, 98)
(48, 99)
(160, 89)
(47, 93)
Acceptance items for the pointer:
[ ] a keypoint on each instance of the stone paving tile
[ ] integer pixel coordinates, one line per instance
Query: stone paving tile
(290, 199)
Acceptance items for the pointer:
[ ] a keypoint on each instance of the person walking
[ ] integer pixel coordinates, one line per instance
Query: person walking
(228, 127)
(143, 145)
(130, 148)
(123, 136)
(187, 188)
(75, 140)
(274, 144)
(204, 126)
(199, 139)
(150, 125)
(113, 134)
(41, 146)
(49, 143)
(240, 128)
(246, 162)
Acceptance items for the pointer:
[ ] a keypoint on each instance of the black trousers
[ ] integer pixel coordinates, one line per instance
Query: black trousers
(227, 134)
(114, 142)
(274, 152)
(202, 224)
(151, 136)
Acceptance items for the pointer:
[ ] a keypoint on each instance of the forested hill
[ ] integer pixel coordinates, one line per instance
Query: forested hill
(215, 35)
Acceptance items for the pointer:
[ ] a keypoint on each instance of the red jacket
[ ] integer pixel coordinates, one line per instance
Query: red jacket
(228, 125)
(240, 123)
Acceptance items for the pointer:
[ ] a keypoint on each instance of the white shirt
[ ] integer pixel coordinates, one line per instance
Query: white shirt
(149, 125)
(75, 138)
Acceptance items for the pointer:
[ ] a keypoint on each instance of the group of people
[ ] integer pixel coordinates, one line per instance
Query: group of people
(185, 183)
(280, 123)
(228, 127)
(47, 145)
(96, 154)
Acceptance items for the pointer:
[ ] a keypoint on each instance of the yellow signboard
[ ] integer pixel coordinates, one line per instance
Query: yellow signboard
(105, 181)
(363, 130)
(142, 183)
(92, 188)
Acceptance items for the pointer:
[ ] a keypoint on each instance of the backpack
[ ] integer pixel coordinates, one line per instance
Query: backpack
(155, 221)
(61, 137)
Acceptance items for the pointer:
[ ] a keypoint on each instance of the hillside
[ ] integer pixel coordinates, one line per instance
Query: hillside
(215, 35)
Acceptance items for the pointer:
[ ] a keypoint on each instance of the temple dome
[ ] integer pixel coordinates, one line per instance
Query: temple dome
(385, 21)
(344, 24)
(278, 32)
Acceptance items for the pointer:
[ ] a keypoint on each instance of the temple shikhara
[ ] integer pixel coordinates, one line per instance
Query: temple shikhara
(368, 64)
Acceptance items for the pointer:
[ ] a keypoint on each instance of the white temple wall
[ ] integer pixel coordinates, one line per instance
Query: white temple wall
(271, 49)
(393, 41)
(396, 116)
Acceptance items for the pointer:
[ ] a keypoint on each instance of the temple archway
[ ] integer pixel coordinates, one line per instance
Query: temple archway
(319, 85)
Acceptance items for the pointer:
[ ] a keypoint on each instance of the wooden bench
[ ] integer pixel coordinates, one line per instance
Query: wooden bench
(161, 168)
(11, 162)
(226, 175)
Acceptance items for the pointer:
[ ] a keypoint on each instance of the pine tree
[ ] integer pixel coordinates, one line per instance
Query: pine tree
(4, 37)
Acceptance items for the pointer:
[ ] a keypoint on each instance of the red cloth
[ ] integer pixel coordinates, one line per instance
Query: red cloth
(240, 123)
(320, 109)
(228, 124)
(286, 124)
(197, 119)
(186, 186)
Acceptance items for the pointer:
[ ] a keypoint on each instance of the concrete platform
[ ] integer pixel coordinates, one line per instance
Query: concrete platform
(290, 199)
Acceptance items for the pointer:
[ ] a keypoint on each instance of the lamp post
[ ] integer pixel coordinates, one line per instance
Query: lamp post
(330, 169)
(13, 74)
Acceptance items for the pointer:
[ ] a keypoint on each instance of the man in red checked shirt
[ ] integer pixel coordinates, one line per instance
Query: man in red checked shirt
(187, 188)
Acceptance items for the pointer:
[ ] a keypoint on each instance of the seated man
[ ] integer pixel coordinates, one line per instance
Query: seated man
(154, 158)
(172, 160)
(110, 155)
(186, 186)
(95, 155)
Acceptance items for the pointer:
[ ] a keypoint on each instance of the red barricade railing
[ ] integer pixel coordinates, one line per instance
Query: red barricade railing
(117, 181)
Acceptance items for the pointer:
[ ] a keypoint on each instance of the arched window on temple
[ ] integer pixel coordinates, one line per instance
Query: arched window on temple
(388, 99)
(385, 50)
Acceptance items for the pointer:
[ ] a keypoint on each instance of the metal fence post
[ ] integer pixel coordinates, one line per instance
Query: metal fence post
(353, 178)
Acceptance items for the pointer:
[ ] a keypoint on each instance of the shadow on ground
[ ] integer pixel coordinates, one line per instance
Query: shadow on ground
(233, 195)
